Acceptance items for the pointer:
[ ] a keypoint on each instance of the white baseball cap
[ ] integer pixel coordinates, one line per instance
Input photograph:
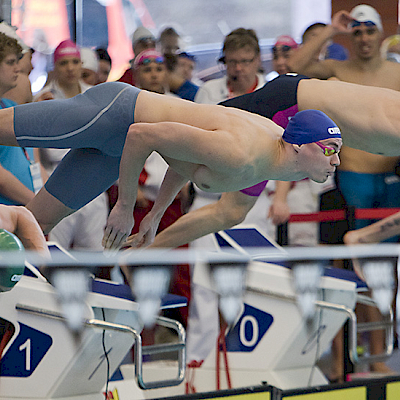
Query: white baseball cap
(366, 13)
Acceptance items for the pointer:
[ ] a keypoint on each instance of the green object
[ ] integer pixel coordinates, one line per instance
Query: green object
(10, 273)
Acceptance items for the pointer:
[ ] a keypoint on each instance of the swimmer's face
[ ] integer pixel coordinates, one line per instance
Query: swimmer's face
(320, 160)
(9, 70)
(366, 39)
(68, 70)
(152, 76)
(280, 57)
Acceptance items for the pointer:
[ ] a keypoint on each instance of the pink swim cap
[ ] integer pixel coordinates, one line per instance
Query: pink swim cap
(66, 48)
(286, 40)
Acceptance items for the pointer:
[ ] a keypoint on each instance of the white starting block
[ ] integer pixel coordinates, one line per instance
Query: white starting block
(271, 341)
(44, 359)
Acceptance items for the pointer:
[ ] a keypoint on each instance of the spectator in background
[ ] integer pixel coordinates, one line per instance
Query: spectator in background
(22, 93)
(83, 229)
(390, 48)
(179, 85)
(90, 66)
(168, 41)
(20, 175)
(142, 39)
(185, 65)
(241, 57)
(281, 51)
(150, 72)
(105, 65)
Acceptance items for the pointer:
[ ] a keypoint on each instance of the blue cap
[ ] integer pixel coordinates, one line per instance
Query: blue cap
(310, 126)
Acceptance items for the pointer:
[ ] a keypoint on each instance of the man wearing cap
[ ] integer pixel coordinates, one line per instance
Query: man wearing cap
(365, 180)
(142, 39)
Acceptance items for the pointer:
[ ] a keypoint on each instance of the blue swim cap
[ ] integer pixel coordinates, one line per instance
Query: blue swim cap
(310, 126)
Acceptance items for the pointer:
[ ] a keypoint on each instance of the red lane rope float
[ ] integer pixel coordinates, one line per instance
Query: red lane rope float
(338, 215)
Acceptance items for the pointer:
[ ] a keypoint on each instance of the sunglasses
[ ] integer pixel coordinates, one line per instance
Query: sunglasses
(354, 24)
(147, 61)
(328, 151)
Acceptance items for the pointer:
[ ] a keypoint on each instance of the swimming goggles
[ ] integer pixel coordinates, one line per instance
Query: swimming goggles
(147, 61)
(366, 23)
(284, 49)
(328, 151)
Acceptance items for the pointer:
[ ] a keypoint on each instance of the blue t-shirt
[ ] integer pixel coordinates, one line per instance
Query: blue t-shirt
(15, 160)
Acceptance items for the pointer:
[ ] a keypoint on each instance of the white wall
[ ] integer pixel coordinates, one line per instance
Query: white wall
(306, 12)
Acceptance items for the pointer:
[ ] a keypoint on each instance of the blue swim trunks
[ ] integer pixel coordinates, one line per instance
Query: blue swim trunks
(94, 125)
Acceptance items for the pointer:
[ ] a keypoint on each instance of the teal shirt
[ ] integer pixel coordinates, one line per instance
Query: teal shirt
(16, 160)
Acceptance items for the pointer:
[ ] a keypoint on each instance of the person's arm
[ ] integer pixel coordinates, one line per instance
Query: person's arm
(12, 188)
(376, 232)
(279, 211)
(230, 210)
(304, 61)
(20, 221)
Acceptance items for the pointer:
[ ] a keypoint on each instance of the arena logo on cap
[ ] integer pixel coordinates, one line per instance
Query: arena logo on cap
(334, 131)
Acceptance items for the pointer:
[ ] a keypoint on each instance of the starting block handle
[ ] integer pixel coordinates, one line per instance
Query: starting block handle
(388, 325)
(180, 347)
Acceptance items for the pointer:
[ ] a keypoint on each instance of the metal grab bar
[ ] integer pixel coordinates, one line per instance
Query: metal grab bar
(139, 349)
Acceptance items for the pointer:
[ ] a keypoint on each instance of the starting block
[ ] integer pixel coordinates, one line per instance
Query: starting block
(43, 359)
(271, 341)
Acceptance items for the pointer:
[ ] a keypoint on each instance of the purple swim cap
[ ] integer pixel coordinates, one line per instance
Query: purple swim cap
(310, 126)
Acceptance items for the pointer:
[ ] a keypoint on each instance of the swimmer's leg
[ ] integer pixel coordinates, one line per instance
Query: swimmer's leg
(81, 176)
(48, 210)
(7, 134)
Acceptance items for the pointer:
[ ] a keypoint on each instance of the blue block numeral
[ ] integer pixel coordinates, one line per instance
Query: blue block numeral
(249, 330)
(25, 353)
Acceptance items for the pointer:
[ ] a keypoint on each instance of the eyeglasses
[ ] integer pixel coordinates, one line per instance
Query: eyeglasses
(328, 151)
(244, 61)
(366, 23)
(147, 61)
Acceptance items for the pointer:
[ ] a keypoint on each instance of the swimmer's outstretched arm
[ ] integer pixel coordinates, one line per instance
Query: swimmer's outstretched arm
(171, 186)
(230, 210)
(178, 143)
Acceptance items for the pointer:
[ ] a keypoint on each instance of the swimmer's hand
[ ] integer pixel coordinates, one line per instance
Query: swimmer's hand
(147, 232)
(341, 22)
(119, 225)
